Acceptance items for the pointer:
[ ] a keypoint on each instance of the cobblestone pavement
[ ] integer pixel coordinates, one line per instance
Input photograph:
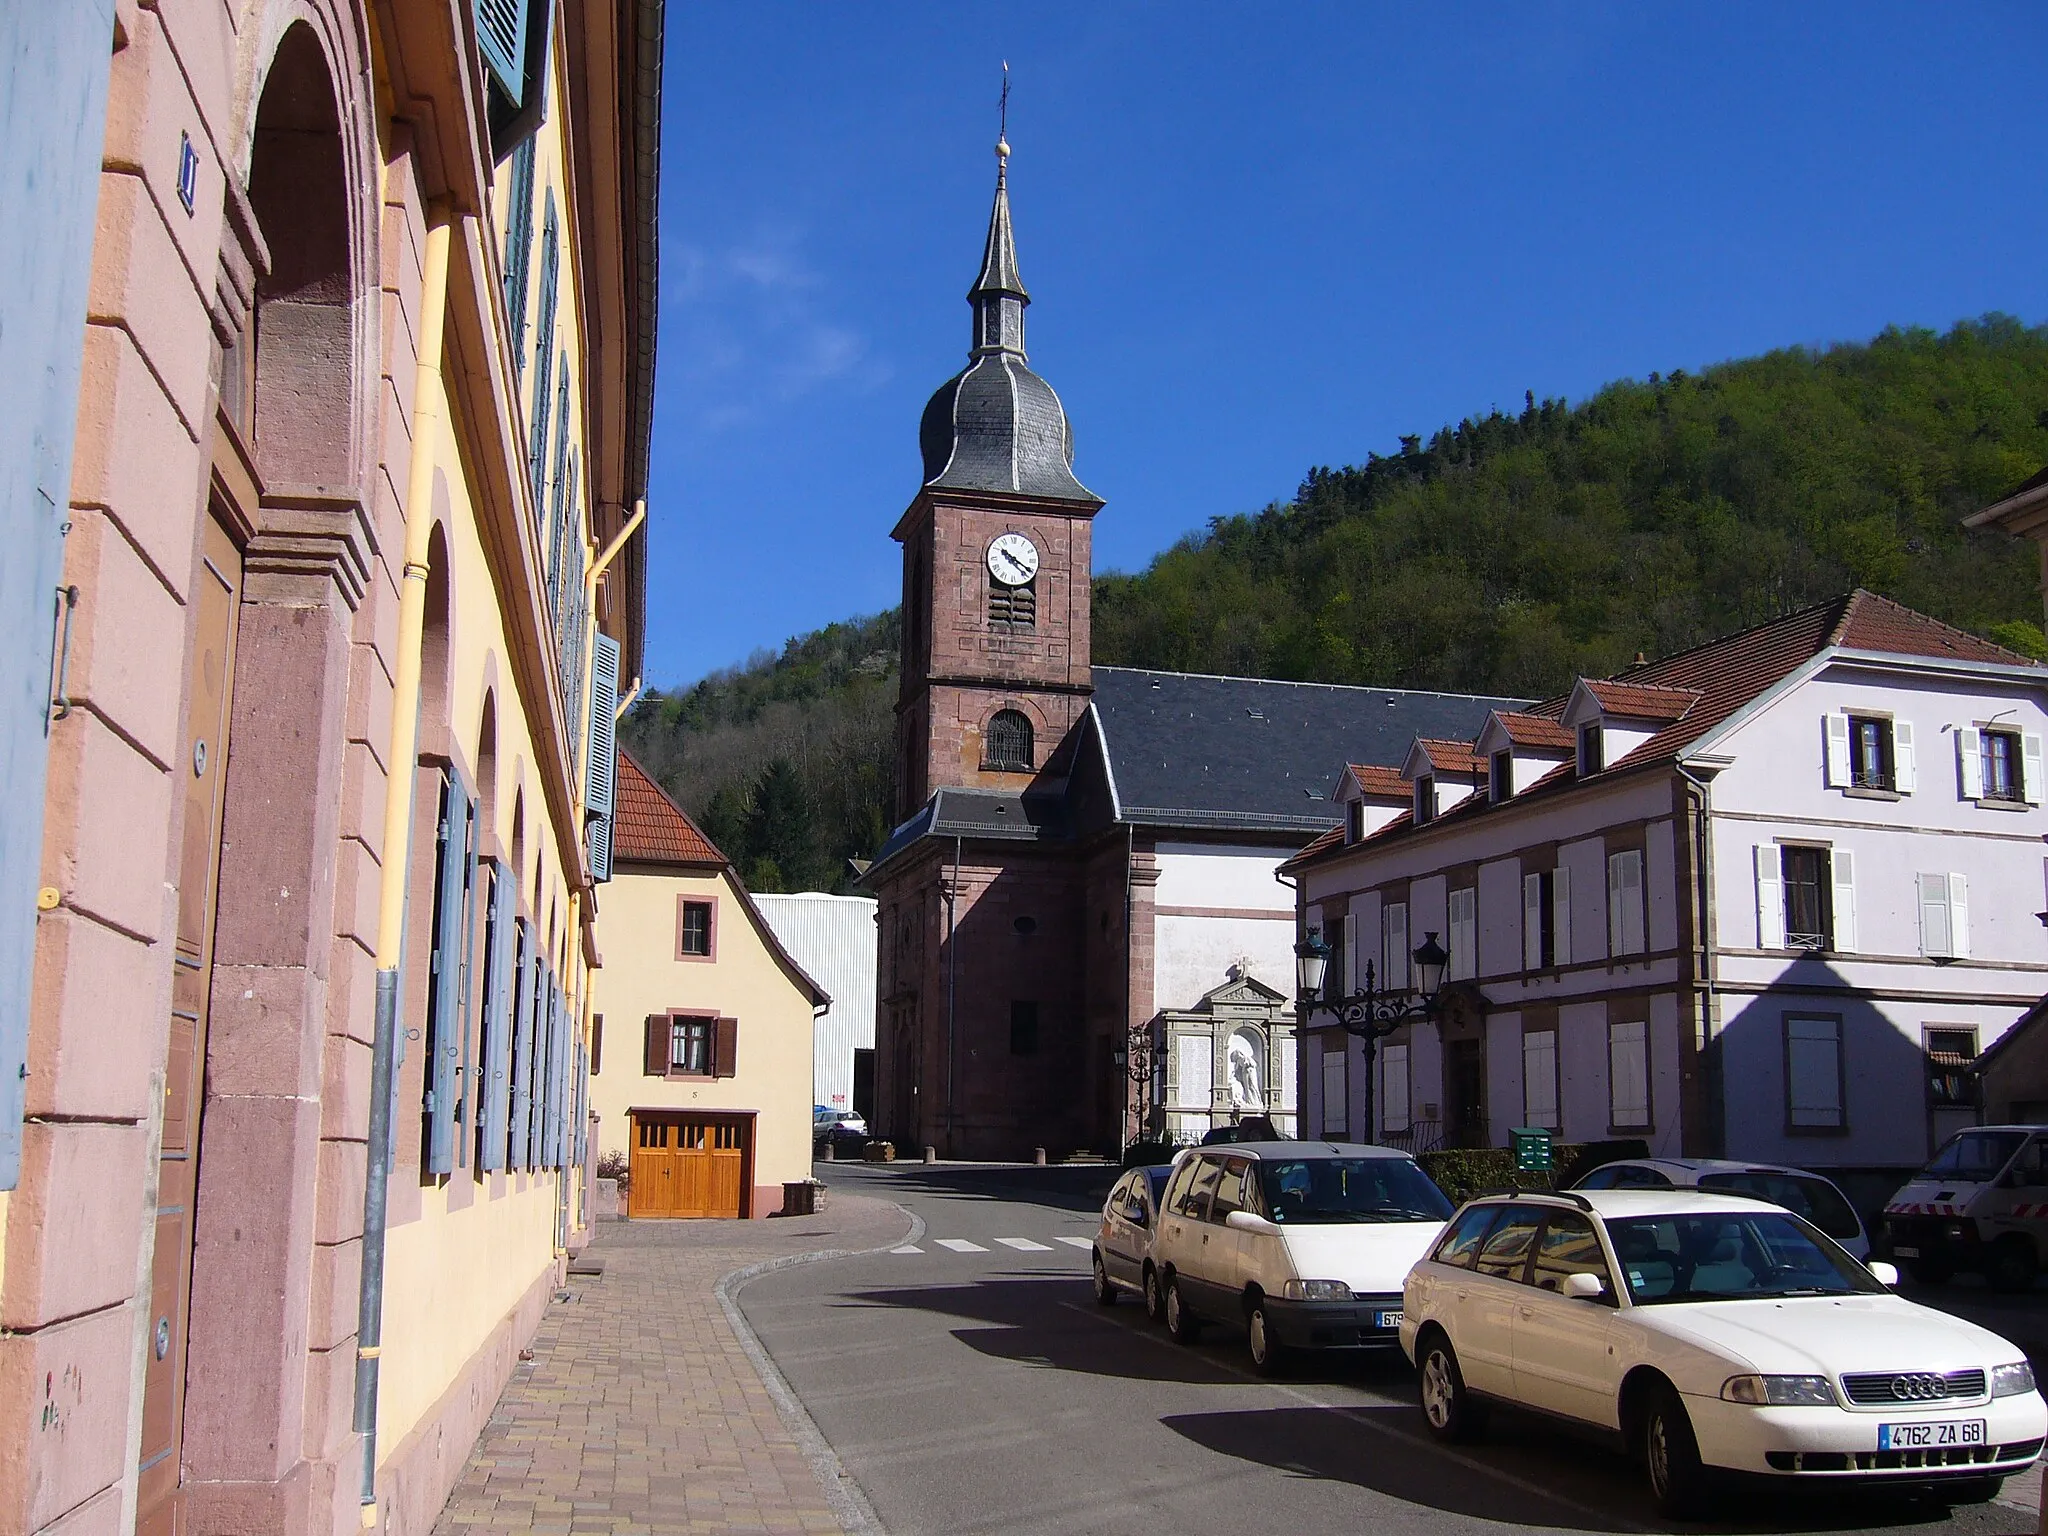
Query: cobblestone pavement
(640, 1410)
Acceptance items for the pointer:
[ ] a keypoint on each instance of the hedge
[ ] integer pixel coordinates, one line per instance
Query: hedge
(1464, 1172)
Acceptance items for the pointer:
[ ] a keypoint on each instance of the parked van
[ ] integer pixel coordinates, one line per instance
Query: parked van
(1303, 1244)
(1981, 1205)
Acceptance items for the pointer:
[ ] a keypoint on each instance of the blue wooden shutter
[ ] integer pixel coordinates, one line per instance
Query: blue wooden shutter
(54, 115)
(598, 781)
(522, 1046)
(499, 1010)
(519, 252)
(448, 972)
(543, 357)
(501, 36)
(557, 510)
(465, 1110)
(599, 834)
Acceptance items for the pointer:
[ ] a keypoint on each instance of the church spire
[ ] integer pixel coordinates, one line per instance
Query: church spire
(998, 294)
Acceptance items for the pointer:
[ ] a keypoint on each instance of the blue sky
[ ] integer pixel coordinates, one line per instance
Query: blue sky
(1264, 238)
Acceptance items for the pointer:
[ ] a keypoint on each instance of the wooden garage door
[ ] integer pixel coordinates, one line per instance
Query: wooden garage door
(688, 1165)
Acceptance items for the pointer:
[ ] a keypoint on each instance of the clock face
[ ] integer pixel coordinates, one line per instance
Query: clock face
(1012, 559)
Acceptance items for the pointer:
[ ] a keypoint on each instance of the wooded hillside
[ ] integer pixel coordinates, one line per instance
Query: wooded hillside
(1506, 554)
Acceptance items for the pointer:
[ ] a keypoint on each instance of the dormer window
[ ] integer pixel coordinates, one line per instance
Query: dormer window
(1354, 822)
(1592, 751)
(1500, 778)
(1425, 799)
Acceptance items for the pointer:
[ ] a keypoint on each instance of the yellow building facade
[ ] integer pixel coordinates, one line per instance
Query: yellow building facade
(356, 562)
(702, 1074)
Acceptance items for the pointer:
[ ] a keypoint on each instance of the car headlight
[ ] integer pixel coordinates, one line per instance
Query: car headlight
(2011, 1380)
(1780, 1391)
(1316, 1290)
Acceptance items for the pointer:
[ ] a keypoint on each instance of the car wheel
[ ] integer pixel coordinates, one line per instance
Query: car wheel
(2012, 1264)
(1155, 1296)
(1105, 1291)
(1447, 1407)
(1180, 1322)
(1671, 1456)
(1269, 1356)
(1930, 1271)
(1970, 1490)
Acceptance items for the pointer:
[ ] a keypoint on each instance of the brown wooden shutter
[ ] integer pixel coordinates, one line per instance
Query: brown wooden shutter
(725, 1040)
(657, 1045)
(596, 1044)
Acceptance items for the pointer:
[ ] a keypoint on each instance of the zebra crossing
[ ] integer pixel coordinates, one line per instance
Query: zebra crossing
(1019, 1244)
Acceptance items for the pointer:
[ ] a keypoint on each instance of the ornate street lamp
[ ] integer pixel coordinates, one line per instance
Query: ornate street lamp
(1367, 1014)
(1137, 1057)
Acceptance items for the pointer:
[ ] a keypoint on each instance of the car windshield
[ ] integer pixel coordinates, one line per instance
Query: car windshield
(1726, 1256)
(1815, 1199)
(1334, 1189)
(1974, 1157)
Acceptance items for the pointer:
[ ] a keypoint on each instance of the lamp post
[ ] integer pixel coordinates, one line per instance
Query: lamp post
(1367, 1014)
(1136, 1057)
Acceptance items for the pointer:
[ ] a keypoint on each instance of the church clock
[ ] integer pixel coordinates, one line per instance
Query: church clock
(1012, 559)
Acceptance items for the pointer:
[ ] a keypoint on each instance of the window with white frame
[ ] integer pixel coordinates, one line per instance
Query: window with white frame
(1539, 1078)
(1500, 777)
(1870, 752)
(1394, 947)
(1628, 1075)
(1464, 933)
(1546, 919)
(1951, 1056)
(1336, 1091)
(1425, 799)
(1944, 915)
(1625, 902)
(1998, 765)
(1354, 821)
(1812, 904)
(1394, 1085)
(1813, 1072)
(1592, 750)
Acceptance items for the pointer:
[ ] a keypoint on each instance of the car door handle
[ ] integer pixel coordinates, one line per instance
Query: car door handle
(1464, 1295)
(1205, 1239)
(1528, 1311)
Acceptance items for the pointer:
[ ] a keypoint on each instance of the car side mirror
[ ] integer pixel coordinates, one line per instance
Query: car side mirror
(1585, 1287)
(1138, 1218)
(1884, 1274)
(1251, 1221)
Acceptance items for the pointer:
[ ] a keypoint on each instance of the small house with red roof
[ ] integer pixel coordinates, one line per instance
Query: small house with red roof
(1741, 901)
(700, 1057)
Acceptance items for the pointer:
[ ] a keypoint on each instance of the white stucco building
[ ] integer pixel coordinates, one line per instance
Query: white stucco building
(1751, 899)
(833, 939)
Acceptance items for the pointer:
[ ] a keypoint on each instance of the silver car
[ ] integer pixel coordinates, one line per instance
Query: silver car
(1795, 1189)
(1122, 1256)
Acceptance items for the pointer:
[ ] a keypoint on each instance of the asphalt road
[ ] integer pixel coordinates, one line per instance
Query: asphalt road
(975, 1385)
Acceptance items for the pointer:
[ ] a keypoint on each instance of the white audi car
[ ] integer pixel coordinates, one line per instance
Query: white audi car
(1711, 1333)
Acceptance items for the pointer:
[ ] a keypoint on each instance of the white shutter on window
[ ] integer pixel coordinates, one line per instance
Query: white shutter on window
(1625, 902)
(1539, 1078)
(2030, 769)
(1935, 938)
(1336, 1111)
(1842, 863)
(1970, 762)
(1770, 897)
(1838, 750)
(1628, 1074)
(1394, 1112)
(1905, 769)
(1532, 922)
(1561, 915)
(1614, 901)
(1397, 946)
(1959, 915)
(1464, 934)
(1353, 977)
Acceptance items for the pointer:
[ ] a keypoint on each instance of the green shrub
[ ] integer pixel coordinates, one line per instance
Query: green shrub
(1462, 1172)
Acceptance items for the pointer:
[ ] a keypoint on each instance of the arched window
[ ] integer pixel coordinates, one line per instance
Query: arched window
(1008, 741)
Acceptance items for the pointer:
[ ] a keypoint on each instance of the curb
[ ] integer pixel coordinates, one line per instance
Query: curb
(856, 1516)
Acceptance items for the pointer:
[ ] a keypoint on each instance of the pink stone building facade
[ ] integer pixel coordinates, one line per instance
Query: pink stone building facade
(364, 375)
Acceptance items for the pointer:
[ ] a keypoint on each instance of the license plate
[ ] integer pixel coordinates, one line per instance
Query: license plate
(1904, 1252)
(1915, 1437)
(1386, 1319)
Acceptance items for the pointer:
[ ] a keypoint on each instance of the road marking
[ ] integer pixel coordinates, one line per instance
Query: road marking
(1077, 1242)
(1025, 1244)
(907, 1248)
(961, 1245)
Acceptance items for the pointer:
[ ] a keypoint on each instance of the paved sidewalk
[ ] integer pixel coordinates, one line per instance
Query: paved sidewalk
(640, 1411)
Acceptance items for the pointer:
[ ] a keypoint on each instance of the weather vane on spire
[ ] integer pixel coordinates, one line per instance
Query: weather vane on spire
(1003, 121)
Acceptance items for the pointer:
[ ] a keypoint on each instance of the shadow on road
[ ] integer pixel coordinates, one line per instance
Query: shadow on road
(1530, 1474)
(1074, 1187)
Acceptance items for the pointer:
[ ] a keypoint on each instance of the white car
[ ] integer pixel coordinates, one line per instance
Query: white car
(1806, 1194)
(1303, 1244)
(1711, 1332)
(1122, 1252)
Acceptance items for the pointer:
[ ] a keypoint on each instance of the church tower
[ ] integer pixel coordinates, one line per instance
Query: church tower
(996, 560)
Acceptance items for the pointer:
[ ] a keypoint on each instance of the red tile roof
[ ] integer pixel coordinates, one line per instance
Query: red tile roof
(650, 828)
(1375, 780)
(1451, 756)
(1639, 701)
(1874, 623)
(1538, 731)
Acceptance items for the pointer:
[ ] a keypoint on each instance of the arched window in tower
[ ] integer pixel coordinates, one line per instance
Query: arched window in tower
(1012, 607)
(1007, 744)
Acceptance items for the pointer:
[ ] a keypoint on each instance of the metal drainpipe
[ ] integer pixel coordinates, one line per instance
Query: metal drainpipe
(1701, 794)
(1144, 1092)
(398, 818)
(952, 964)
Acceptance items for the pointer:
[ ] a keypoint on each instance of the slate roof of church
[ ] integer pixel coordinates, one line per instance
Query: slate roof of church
(1248, 753)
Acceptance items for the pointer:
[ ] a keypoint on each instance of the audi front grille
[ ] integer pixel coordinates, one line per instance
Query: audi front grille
(1887, 1389)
